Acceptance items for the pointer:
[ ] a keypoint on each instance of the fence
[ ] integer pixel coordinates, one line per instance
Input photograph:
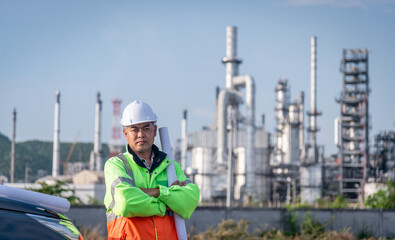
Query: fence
(372, 222)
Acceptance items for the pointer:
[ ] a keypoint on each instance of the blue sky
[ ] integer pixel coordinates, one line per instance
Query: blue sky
(168, 53)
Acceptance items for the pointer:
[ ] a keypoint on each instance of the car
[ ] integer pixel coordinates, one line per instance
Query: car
(21, 219)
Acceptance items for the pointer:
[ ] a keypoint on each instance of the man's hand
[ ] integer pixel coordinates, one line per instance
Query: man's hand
(153, 192)
(178, 183)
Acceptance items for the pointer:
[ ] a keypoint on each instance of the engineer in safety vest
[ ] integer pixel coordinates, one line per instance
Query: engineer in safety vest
(139, 203)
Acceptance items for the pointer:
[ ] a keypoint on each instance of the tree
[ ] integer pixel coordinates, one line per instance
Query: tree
(382, 198)
(59, 189)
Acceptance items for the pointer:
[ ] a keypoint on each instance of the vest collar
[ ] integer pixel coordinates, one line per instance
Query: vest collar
(159, 156)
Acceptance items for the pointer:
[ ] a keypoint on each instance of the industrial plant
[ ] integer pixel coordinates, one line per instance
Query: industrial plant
(236, 162)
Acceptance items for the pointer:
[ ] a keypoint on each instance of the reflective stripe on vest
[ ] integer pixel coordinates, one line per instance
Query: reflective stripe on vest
(118, 181)
(127, 166)
(110, 215)
(114, 185)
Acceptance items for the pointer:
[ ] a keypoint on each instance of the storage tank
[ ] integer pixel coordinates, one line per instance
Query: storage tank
(203, 161)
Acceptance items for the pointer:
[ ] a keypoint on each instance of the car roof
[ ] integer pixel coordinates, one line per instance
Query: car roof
(26, 207)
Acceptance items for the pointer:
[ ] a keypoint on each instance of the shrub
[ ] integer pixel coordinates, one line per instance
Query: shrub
(382, 199)
(58, 189)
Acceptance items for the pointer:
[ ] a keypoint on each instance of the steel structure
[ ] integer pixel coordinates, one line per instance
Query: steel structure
(288, 146)
(384, 155)
(354, 120)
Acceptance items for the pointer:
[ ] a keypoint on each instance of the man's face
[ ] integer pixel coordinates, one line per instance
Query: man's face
(140, 137)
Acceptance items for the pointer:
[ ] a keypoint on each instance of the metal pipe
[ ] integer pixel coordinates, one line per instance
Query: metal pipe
(184, 140)
(56, 151)
(301, 124)
(12, 171)
(249, 84)
(226, 97)
(336, 127)
(230, 183)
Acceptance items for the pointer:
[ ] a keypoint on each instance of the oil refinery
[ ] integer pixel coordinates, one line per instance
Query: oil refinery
(236, 162)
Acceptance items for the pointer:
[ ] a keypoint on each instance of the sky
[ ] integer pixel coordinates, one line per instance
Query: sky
(168, 54)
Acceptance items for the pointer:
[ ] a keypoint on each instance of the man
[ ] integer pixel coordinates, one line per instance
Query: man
(139, 203)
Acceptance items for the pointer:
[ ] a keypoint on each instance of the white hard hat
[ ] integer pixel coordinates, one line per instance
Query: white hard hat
(137, 112)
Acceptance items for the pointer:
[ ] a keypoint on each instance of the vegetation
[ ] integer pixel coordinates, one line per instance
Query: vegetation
(338, 202)
(95, 233)
(309, 226)
(94, 201)
(59, 189)
(383, 199)
(37, 156)
(232, 230)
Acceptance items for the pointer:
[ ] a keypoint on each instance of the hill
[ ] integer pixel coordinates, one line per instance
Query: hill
(37, 156)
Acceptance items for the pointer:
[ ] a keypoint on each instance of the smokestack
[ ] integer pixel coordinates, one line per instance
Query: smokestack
(184, 140)
(56, 151)
(96, 159)
(231, 62)
(12, 171)
(313, 91)
(313, 101)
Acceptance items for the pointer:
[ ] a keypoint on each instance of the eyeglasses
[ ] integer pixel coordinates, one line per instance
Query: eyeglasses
(145, 130)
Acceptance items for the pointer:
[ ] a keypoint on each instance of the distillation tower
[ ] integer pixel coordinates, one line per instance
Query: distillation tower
(354, 122)
(288, 145)
(311, 168)
(233, 150)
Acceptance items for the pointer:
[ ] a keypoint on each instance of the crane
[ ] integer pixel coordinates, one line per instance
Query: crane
(69, 154)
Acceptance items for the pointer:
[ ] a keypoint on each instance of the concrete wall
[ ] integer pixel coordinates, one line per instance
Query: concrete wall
(374, 222)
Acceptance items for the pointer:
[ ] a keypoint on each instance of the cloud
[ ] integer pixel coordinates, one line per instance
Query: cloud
(362, 4)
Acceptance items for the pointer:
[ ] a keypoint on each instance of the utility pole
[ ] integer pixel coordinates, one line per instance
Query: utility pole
(27, 169)
(12, 170)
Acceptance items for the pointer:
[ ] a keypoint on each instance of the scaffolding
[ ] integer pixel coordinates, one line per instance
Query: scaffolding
(383, 165)
(354, 140)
